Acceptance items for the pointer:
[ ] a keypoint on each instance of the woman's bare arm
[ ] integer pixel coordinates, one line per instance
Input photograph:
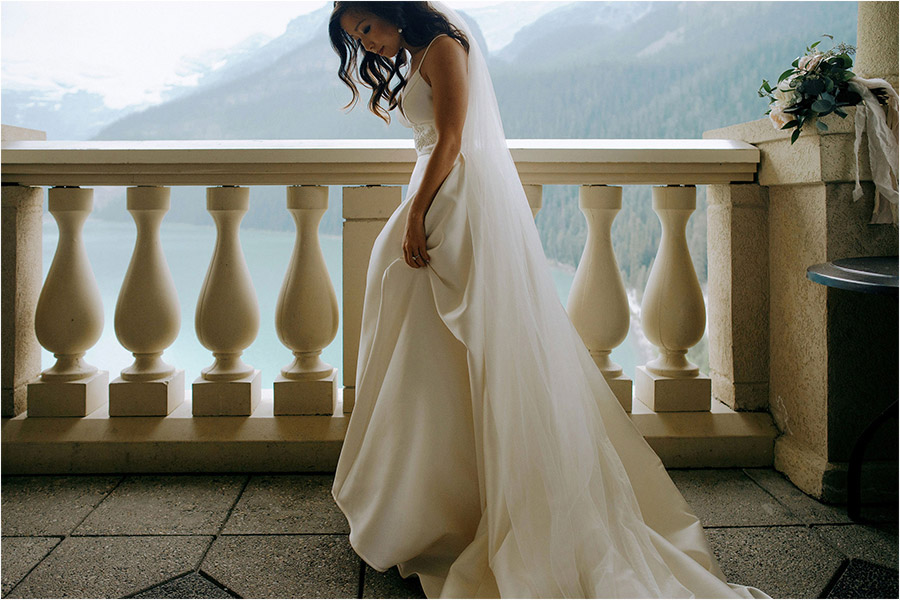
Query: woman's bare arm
(445, 69)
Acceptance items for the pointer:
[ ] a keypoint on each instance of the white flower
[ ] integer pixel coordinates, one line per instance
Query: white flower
(810, 61)
(778, 116)
(784, 94)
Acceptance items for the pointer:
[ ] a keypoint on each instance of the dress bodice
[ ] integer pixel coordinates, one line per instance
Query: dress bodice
(417, 110)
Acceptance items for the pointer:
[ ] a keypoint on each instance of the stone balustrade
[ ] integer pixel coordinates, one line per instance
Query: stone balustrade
(227, 316)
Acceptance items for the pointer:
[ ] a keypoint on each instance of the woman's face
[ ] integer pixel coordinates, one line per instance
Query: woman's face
(374, 33)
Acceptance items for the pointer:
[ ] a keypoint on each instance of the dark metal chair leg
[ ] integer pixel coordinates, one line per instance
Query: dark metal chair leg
(854, 469)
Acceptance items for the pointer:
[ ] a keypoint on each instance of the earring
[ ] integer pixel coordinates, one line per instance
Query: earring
(400, 30)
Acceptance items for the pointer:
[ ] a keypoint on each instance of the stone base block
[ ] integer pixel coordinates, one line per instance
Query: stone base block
(669, 394)
(621, 389)
(155, 398)
(237, 398)
(349, 396)
(313, 397)
(68, 399)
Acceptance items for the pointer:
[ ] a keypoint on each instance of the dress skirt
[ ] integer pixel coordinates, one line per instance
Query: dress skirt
(418, 477)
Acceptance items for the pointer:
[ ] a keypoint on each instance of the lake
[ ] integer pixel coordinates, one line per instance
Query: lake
(188, 249)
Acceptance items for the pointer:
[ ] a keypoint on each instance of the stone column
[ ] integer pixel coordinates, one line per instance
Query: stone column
(738, 289)
(673, 314)
(21, 267)
(306, 317)
(598, 305)
(227, 317)
(876, 39)
(22, 209)
(832, 353)
(68, 319)
(366, 209)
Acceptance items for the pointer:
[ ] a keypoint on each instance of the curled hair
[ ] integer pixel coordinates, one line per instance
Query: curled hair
(420, 24)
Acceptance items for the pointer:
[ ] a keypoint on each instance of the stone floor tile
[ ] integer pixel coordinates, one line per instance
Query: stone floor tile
(193, 585)
(862, 579)
(50, 505)
(165, 505)
(724, 497)
(284, 566)
(806, 508)
(784, 562)
(862, 542)
(390, 585)
(111, 567)
(20, 555)
(287, 504)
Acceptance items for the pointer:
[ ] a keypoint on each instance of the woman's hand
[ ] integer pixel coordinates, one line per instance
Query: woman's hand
(414, 252)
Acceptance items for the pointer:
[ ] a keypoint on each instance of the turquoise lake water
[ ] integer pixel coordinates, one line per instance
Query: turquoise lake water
(188, 249)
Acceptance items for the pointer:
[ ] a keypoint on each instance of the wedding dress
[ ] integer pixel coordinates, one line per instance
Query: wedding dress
(485, 451)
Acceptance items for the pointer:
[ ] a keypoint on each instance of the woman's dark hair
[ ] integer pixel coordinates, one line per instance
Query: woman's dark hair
(420, 24)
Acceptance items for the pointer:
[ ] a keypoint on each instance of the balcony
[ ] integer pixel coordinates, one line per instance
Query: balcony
(139, 421)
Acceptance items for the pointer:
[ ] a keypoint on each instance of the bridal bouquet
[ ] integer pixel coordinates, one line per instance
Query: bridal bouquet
(817, 84)
(820, 83)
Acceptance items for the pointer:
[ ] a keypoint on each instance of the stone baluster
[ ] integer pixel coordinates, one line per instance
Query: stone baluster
(598, 305)
(535, 195)
(227, 316)
(68, 319)
(673, 314)
(148, 316)
(365, 209)
(306, 316)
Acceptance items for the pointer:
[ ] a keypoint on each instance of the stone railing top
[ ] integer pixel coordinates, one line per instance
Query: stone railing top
(346, 162)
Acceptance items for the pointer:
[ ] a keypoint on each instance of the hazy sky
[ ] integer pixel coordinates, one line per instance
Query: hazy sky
(131, 52)
(127, 51)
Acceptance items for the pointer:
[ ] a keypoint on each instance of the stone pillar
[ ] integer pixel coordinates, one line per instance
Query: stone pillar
(876, 40)
(366, 209)
(598, 305)
(22, 209)
(68, 318)
(227, 317)
(306, 317)
(832, 353)
(673, 314)
(21, 268)
(148, 317)
(738, 290)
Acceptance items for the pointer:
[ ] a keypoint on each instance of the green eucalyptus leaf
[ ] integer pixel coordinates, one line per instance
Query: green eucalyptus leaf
(795, 135)
(790, 124)
(822, 105)
(785, 75)
(821, 126)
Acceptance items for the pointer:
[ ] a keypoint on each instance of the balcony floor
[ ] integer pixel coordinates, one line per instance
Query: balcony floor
(281, 535)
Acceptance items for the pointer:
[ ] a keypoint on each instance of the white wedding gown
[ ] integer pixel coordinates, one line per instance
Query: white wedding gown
(485, 452)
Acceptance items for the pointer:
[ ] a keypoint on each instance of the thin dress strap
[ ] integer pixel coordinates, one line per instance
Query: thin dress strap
(409, 80)
(427, 48)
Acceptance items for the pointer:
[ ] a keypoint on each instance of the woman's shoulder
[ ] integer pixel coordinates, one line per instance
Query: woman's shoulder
(444, 52)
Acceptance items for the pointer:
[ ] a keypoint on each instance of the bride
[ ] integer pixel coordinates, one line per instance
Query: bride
(485, 452)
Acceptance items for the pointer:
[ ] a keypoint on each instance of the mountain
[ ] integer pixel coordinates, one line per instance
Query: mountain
(73, 116)
(300, 31)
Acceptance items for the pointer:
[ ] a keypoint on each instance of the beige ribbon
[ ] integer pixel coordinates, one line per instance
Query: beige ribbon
(880, 122)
